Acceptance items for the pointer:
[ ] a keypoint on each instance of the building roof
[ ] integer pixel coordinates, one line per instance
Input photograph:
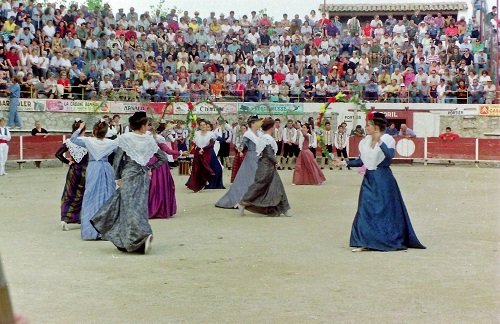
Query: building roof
(395, 7)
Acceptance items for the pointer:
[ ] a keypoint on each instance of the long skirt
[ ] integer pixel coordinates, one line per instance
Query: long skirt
(382, 221)
(201, 171)
(123, 219)
(215, 182)
(162, 203)
(72, 196)
(267, 194)
(99, 187)
(237, 161)
(243, 180)
(307, 170)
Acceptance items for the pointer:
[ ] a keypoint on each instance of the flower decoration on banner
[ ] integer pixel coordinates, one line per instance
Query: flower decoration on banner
(191, 123)
(341, 97)
(214, 106)
(320, 121)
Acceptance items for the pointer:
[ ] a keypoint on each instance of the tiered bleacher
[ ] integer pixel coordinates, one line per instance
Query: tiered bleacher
(75, 53)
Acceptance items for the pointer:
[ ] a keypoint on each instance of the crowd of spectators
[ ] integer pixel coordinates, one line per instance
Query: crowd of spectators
(76, 53)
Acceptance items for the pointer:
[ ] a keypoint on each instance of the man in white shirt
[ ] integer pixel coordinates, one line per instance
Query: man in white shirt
(254, 37)
(55, 65)
(224, 131)
(291, 77)
(91, 45)
(105, 86)
(362, 77)
(4, 147)
(324, 61)
(117, 66)
(340, 142)
(289, 138)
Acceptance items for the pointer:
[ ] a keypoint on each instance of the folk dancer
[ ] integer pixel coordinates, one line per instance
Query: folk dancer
(4, 146)
(74, 188)
(278, 137)
(289, 137)
(341, 139)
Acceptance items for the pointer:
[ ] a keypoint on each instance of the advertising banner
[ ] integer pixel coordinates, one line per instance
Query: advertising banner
(200, 108)
(24, 104)
(491, 110)
(131, 107)
(270, 108)
(76, 106)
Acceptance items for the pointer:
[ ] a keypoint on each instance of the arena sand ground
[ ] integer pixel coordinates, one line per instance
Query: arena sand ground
(210, 265)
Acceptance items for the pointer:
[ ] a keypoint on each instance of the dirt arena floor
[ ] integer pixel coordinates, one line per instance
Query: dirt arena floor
(210, 265)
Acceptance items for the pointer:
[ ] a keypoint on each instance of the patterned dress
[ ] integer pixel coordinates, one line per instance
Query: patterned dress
(74, 188)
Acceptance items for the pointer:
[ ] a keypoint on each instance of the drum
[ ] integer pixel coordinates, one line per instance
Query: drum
(184, 167)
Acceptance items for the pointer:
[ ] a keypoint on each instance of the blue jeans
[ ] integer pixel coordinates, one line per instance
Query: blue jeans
(450, 100)
(13, 114)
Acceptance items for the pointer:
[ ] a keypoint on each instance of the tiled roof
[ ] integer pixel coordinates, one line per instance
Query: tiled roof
(378, 7)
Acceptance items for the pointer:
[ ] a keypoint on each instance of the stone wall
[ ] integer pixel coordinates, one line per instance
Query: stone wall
(471, 126)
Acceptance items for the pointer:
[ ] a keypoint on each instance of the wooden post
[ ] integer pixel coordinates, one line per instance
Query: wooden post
(6, 316)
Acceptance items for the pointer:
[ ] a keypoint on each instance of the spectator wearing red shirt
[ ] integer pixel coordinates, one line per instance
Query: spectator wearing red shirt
(448, 135)
(131, 33)
(324, 21)
(278, 76)
(451, 30)
(13, 62)
(264, 22)
(64, 82)
(367, 30)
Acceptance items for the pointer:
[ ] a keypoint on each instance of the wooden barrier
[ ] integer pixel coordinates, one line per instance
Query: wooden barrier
(38, 148)
(458, 149)
(488, 149)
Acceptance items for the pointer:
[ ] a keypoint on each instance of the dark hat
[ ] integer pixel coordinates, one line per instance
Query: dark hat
(253, 119)
(377, 117)
(137, 116)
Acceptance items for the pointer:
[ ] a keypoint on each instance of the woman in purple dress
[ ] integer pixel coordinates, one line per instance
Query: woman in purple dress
(162, 203)
(72, 197)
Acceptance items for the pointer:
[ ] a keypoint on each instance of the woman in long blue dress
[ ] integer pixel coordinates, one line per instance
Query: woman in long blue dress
(382, 222)
(100, 179)
(123, 219)
(74, 188)
(246, 174)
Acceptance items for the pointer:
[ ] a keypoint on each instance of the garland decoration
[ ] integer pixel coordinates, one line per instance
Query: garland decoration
(320, 123)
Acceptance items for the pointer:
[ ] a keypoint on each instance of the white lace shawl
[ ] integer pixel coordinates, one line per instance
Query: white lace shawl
(77, 152)
(202, 141)
(265, 140)
(251, 136)
(139, 148)
(160, 139)
(372, 157)
(99, 148)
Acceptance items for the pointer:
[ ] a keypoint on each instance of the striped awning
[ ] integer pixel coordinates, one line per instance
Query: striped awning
(394, 7)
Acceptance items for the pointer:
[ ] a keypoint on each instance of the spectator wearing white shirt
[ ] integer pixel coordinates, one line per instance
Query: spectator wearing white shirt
(291, 77)
(91, 45)
(117, 66)
(105, 86)
(49, 29)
